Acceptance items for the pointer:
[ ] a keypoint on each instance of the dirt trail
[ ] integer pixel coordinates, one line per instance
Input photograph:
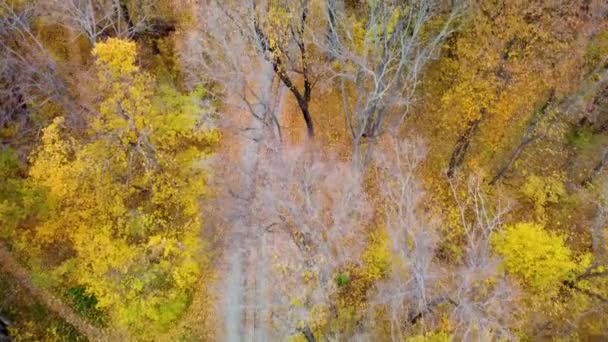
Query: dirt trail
(10, 265)
(244, 298)
(239, 280)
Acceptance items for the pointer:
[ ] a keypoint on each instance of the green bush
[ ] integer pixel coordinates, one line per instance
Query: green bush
(581, 137)
(343, 279)
(85, 304)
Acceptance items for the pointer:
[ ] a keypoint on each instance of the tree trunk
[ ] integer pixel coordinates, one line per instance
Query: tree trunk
(414, 318)
(307, 117)
(123, 13)
(310, 337)
(462, 145)
(279, 68)
(514, 157)
(596, 170)
(529, 136)
(332, 35)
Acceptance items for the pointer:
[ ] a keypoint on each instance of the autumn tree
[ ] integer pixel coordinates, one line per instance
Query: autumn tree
(587, 282)
(536, 257)
(280, 30)
(275, 32)
(469, 203)
(123, 198)
(20, 201)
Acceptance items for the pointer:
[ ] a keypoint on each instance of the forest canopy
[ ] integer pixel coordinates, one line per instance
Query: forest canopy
(303, 170)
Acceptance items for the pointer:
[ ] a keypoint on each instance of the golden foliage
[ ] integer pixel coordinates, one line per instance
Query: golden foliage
(126, 202)
(538, 258)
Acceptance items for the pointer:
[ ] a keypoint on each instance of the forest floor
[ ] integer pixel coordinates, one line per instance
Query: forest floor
(11, 266)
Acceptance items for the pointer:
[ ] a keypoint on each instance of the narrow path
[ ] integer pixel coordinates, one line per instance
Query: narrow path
(243, 298)
(10, 265)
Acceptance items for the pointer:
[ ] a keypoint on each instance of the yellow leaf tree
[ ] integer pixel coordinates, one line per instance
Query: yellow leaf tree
(538, 258)
(124, 196)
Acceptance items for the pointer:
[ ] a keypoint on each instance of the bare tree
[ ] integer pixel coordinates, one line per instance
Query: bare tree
(29, 75)
(223, 54)
(309, 223)
(413, 287)
(97, 19)
(262, 33)
(285, 47)
(94, 18)
(419, 283)
(315, 212)
(378, 57)
(482, 310)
